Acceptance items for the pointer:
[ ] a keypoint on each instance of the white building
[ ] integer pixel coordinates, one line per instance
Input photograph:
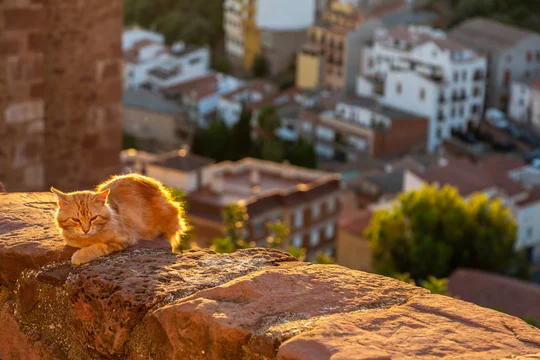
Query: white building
(525, 103)
(421, 71)
(149, 60)
(201, 96)
(230, 104)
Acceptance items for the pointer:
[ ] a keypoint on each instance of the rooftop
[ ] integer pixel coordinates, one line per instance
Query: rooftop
(390, 183)
(377, 107)
(182, 160)
(264, 87)
(470, 177)
(355, 220)
(198, 88)
(489, 35)
(252, 180)
(147, 100)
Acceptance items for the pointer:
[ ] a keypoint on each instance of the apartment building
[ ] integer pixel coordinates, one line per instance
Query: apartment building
(422, 71)
(525, 103)
(148, 61)
(329, 59)
(497, 176)
(513, 55)
(357, 126)
(273, 28)
(309, 201)
(200, 97)
(156, 124)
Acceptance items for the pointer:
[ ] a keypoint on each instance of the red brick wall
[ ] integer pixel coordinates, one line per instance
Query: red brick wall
(404, 135)
(60, 93)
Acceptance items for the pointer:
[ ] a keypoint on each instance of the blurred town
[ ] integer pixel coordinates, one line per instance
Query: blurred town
(327, 128)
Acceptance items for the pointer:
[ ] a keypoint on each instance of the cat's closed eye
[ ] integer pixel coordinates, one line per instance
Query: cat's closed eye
(76, 220)
(94, 218)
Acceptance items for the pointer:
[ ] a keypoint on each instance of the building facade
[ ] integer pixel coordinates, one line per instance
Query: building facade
(309, 201)
(61, 86)
(148, 61)
(254, 27)
(421, 71)
(513, 55)
(157, 124)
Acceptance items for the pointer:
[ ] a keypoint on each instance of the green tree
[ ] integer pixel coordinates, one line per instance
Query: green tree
(322, 258)
(129, 141)
(261, 66)
(241, 134)
(234, 218)
(268, 122)
(405, 277)
(302, 153)
(433, 231)
(520, 13)
(279, 234)
(213, 142)
(300, 254)
(436, 286)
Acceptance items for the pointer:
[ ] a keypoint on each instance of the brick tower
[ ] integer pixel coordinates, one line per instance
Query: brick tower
(60, 93)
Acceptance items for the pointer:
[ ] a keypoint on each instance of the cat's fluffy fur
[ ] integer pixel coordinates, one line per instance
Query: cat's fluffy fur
(119, 213)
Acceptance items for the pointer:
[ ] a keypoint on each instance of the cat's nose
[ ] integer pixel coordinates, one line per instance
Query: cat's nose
(86, 231)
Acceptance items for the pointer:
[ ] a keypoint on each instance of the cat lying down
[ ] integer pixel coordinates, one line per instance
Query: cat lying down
(119, 213)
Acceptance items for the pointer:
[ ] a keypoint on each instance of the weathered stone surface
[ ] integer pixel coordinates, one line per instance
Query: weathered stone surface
(425, 327)
(251, 316)
(29, 238)
(107, 298)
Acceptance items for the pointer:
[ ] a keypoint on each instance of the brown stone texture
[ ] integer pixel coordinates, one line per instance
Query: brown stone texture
(58, 64)
(252, 304)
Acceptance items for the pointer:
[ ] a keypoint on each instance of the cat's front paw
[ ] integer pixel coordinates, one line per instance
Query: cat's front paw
(79, 257)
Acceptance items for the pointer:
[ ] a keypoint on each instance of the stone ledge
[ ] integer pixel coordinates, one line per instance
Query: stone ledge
(253, 304)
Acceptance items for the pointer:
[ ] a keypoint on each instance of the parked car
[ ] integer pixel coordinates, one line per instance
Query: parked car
(496, 118)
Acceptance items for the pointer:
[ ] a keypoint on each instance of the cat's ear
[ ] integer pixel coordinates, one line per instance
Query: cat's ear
(61, 198)
(102, 196)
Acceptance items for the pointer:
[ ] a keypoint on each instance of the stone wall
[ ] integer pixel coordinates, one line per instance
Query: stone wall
(60, 92)
(254, 304)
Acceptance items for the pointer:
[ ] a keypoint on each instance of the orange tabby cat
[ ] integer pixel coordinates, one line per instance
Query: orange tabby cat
(122, 211)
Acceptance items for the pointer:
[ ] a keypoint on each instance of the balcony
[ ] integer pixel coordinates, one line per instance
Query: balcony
(440, 117)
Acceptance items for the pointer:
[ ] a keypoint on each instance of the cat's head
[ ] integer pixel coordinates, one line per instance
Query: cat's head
(82, 213)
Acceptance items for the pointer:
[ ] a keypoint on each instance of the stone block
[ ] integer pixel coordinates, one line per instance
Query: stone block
(24, 18)
(24, 112)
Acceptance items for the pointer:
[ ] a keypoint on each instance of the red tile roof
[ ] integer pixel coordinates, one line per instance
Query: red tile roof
(197, 88)
(471, 177)
(355, 220)
(510, 295)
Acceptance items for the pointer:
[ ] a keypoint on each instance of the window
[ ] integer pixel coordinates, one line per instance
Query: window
(464, 75)
(474, 109)
(462, 111)
(453, 111)
(298, 218)
(456, 76)
(434, 53)
(439, 133)
(538, 56)
(315, 238)
(331, 205)
(476, 92)
(398, 88)
(194, 61)
(329, 230)
(529, 56)
(297, 241)
(315, 211)
(258, 228)
(529, 232)
(422, 94)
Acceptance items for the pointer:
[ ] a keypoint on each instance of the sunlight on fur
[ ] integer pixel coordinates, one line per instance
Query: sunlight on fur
(119, 213)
